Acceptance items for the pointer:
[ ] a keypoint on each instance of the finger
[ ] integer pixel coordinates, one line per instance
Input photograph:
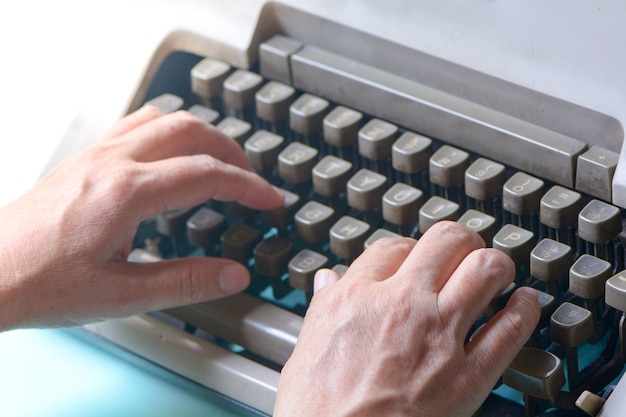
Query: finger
(438, 253)
(496, 345)
(324, 279)
(481, 276)
(180, 134)
(187, 181)
(133, 120)
(380, 260)
(142, 287)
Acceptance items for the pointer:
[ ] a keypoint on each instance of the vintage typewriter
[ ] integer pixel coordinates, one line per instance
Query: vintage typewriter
(370, 137)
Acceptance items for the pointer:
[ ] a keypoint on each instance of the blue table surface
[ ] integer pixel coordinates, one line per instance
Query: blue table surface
(67, 372)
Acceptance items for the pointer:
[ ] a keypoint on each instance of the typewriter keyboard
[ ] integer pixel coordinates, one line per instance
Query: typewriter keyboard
(351, 177)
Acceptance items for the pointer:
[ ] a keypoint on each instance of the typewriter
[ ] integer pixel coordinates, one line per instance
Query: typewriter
(371, 136)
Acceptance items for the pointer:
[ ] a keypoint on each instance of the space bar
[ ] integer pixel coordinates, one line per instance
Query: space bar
(436, 113)
(232, 375)
(260, 327)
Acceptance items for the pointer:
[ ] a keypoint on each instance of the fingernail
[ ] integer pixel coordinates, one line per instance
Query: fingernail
(321, 279)
(233, 278)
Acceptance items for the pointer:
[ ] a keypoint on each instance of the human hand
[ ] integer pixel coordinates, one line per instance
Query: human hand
(64, 244)
(388, 338)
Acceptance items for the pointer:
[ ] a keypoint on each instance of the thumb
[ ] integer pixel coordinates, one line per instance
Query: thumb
(175, 282)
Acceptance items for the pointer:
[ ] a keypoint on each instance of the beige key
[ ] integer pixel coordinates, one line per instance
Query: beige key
(484, 179)
(204, 113)
(283, 216)
(559, 207)
(348, 236)
(379, 234)
(615, 295)
(594, 172)
(515, 242)
(306, 114)
(599, 222)
(236, 129)
(167, 103)
(262, 149)
(365, 190)
(448, 165)
(571, 325)
(435, 210)
(411, 153)
(522, 193)
(273, 101)
(302, 269)
(588, 276)
(207, 77)
(296, 162)
(483, 224)
(240, 89)
(313, 222)
(331, 175)
(401, 204)
(376, 139)
(550, 261)
(341, 127)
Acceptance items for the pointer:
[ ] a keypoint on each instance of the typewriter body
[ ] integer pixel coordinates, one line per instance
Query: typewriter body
(504, 117)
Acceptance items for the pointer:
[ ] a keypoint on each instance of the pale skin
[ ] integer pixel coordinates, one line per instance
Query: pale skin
(386, 339)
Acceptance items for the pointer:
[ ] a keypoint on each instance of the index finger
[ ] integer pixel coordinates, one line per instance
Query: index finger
(180, 134)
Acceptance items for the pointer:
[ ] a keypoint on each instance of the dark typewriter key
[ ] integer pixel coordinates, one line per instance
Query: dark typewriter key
(240, 89)
(379, 234)
(205, 227)
(207, 78)
(594, 172)
(515, 242)
(296, 162)
(550, 262)
(571, 326)
(302, 269)
(236, 129)
(484, 180)
(167, 103)
(537, 374)
(313, 222)
(347, 237)
(365, 190)
(282, 217)
(331, 175)
(238, 242)
(273, 101)
(306, 114)
(376, 139)
(208, 115)
(271, 256)
(341, 127)
(262, 149)
(483, 224)
(401, 204)
(437, 209)
(547, 303)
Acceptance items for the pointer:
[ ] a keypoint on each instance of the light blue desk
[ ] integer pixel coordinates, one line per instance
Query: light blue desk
(69, 373)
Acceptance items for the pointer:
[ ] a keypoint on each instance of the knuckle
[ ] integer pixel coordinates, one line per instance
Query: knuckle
(191, 285)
